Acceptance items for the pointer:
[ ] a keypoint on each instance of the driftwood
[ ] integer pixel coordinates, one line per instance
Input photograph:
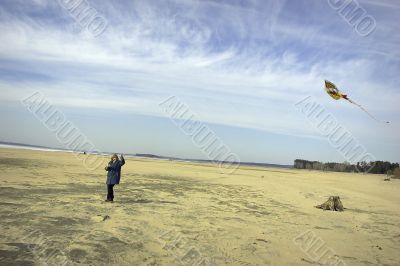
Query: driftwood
(332, 204)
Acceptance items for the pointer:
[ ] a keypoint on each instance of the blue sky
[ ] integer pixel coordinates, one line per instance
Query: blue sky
(239, 65)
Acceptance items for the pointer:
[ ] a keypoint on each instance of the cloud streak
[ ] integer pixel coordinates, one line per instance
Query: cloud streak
(235, 63)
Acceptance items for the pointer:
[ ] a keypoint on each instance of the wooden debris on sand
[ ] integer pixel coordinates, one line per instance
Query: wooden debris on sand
(332, 204)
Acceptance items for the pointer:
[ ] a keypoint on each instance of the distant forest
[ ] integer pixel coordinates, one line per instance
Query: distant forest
(378, 167)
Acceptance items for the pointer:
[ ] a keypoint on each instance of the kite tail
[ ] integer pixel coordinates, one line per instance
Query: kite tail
(362, 108)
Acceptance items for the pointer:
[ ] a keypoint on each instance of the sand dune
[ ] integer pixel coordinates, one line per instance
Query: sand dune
(176, 213)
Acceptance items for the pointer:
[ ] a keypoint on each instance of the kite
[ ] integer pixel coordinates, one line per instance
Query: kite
(333, 91)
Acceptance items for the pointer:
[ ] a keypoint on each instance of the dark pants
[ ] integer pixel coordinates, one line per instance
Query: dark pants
(110, 192)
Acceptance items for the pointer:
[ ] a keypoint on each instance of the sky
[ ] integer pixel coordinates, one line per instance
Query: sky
(240, 66)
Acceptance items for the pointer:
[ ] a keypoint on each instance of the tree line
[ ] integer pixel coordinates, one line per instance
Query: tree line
(377, 167)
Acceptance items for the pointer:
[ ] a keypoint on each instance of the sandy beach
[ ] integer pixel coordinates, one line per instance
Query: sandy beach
(177, 213)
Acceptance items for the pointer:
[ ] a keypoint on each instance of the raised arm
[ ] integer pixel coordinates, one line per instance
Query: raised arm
(122, 160)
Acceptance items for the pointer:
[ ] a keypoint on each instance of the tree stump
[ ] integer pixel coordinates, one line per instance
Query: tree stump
(332, 204)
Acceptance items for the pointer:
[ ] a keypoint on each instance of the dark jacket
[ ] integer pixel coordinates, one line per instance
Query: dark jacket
(114, 171)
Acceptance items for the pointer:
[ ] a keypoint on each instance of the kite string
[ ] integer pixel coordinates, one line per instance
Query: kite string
(362, 108)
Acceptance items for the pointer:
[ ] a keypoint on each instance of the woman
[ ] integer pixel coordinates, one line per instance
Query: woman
(113, 175)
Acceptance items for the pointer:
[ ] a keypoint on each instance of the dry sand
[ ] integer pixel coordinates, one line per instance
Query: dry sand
(175, 213)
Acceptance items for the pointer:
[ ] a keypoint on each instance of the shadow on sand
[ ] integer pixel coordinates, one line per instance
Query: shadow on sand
(145, 201)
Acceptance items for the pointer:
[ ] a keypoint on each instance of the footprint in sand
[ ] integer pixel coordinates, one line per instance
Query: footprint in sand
(100, 218)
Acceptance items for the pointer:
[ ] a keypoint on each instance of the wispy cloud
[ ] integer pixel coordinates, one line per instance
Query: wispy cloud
(241, 63)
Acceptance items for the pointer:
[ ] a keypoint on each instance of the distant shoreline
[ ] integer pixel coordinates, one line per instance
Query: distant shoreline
(16, 145)
(30, 147)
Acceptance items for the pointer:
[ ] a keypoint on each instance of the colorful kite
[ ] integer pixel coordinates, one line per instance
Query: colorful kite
(333, 91)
